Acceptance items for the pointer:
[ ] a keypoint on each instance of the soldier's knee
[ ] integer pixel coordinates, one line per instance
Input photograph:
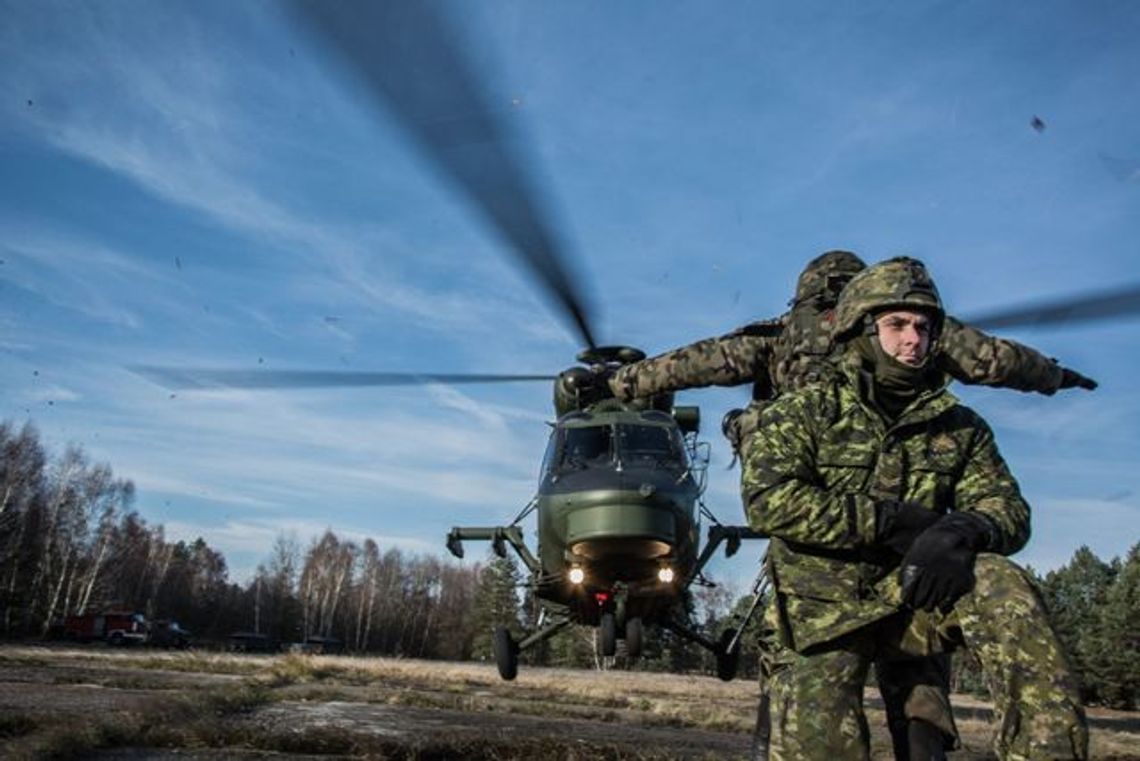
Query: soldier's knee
(1003, 591)
(932, 705)
(995, 574)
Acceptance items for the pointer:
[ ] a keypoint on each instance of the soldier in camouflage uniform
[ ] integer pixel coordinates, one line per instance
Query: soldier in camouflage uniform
(796, 349)
(891, 509)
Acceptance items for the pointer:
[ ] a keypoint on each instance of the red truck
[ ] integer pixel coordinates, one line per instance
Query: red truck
(113, 627)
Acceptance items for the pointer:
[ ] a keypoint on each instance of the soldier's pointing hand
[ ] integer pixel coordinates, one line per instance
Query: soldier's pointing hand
(1073, 379)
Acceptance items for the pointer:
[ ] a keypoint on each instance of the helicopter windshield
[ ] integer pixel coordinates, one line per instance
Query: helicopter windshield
(587, 445)
(652, 443)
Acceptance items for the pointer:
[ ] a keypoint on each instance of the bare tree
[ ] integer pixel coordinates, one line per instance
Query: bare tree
(22, 473)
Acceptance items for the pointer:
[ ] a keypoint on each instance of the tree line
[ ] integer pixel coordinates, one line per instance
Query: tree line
(72, 542)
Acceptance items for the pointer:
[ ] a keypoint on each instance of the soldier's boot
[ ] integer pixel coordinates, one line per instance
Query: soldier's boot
(925, 742)
(1005, 623)
(916, 693)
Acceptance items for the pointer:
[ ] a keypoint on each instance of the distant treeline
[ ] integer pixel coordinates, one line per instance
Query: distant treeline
(71, 542)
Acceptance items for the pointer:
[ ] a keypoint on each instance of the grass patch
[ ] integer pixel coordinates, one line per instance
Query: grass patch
(17, 725)
(194, 720)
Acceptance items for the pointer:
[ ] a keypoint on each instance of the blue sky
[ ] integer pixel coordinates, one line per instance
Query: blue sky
(195, 184)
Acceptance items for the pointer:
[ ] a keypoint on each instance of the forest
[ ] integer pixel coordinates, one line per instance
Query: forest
(72, 542)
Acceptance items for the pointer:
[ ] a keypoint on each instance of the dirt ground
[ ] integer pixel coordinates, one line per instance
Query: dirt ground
(105, 704)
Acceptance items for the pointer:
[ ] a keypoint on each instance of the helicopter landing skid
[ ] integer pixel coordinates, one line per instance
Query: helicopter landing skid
(499, 537)
(545, 633)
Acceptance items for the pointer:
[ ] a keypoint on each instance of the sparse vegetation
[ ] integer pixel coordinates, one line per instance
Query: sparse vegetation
(364, 707)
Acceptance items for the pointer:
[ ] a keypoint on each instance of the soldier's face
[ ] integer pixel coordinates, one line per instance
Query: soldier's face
(904, 335)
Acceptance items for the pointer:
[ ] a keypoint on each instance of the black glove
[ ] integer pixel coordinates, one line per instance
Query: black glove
(898, 524)
(730, 427)
(1073, 379)
(939, 567)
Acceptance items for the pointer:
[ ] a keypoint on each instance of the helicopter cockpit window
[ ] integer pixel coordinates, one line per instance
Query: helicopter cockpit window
(587, 445)
(653, 443)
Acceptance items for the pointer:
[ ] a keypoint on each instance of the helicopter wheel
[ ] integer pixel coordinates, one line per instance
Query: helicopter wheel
(607, 634)
(634, 636)
(727, 662)
(506, 653)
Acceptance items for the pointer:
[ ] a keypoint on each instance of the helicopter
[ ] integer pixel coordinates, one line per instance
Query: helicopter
(618, 505)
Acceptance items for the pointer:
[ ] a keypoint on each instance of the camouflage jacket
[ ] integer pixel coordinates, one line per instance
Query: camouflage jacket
(790, 352)
(816, 466)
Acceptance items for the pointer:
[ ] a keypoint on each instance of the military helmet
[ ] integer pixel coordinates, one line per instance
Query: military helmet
(825, 276)
(899, 283)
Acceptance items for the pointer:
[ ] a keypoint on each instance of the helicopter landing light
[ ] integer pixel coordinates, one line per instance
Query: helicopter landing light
(577, 575)
(665, 575)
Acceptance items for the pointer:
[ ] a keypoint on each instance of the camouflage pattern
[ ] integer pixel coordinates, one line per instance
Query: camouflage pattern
(1005, 622)
(819, 462)
(815, 699)
(824, 276)
(795, 350)
(970, 356)
(812, 474)
(899, 283)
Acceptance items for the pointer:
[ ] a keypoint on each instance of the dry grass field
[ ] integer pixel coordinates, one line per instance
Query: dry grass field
(139, 704)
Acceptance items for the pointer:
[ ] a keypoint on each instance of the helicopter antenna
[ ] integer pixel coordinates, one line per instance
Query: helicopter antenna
(526, 511)
(413, 62)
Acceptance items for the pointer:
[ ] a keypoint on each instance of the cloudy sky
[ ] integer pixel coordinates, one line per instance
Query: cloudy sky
(198, 184)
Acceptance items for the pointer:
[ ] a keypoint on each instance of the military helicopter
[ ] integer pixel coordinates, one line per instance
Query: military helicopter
(618, 504)
(618, 508)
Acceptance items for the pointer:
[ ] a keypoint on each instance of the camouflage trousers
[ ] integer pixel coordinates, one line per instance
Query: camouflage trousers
(816, 698)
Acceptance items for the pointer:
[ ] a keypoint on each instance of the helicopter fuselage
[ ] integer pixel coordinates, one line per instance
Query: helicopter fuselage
(617, 513)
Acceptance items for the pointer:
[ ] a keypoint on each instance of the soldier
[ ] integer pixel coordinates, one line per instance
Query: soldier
(843, 475)
(794, 350)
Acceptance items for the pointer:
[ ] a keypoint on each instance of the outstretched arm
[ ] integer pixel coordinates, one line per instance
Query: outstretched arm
(731, 360)
(974, 357)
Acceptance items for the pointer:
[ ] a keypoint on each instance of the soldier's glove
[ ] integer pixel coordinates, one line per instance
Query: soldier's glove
(939, 567)
(898, 524)
(730, 427)
(739, 425)
(1073, 379)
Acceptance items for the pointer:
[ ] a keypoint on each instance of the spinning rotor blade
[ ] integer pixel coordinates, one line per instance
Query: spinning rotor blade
(1120, 303)
(413, 62)
(204, 378)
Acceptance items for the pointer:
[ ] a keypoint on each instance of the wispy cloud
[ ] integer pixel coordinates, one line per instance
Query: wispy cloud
(80, 274)
(184, 137)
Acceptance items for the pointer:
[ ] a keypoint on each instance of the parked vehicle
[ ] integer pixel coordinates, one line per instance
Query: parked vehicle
(323, 646)
(112, 627)
(169, 634)
(251, 642)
